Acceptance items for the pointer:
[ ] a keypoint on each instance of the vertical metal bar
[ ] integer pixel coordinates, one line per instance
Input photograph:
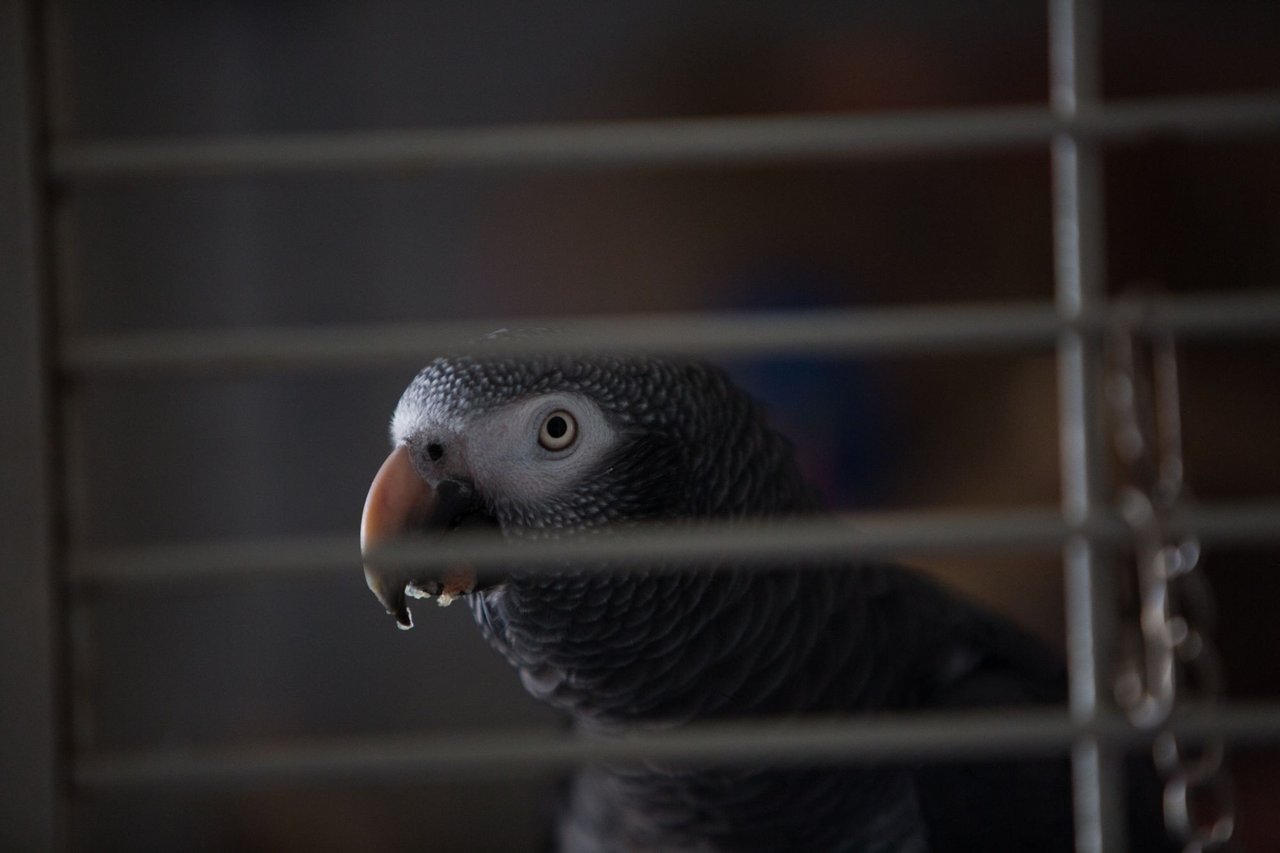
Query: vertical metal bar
(69, 409)
(1080, 284)
(31, 776)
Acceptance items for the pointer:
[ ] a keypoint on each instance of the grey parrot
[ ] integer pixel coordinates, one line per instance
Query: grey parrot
(559, 445)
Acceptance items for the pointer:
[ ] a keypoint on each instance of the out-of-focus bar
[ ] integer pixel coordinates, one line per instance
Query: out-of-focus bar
(863, 331)
(668, 142)
(915, 737)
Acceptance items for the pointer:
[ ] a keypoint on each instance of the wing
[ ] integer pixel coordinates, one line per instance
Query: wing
(1011, 805)
(1020, 804)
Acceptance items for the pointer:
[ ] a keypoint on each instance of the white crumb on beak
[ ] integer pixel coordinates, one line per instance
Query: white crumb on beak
(415, 592)
(445, 599)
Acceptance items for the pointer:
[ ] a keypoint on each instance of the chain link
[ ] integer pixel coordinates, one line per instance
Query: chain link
(1167, 659)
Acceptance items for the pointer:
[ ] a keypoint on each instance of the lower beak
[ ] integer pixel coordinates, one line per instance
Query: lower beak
(401, 503)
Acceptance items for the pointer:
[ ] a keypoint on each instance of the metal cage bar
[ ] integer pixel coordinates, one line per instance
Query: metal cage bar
(1080, 284)
(924, 329)
(670, 142)
(907, 737)
(32, 768)
(898, 534)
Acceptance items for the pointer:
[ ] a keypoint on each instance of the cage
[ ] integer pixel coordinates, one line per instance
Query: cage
(233, 231)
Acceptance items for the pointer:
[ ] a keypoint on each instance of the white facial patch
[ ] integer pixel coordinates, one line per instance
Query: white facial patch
(506, 457)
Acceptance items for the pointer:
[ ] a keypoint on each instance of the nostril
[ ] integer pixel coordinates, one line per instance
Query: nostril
(435, 451)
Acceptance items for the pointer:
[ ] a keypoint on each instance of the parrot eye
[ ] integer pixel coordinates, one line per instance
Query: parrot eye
(558, 431)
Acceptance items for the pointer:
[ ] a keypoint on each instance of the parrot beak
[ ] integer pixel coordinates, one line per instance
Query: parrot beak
(400, 503)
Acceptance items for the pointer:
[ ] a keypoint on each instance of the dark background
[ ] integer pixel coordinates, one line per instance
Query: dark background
(176, 459)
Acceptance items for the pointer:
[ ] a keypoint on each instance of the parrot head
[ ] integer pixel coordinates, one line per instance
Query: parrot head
(548, 446)
(537, 447)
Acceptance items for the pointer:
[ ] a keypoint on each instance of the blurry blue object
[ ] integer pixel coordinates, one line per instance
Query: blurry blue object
(838, 412)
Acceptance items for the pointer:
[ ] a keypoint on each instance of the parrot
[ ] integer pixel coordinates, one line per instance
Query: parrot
(560, 445)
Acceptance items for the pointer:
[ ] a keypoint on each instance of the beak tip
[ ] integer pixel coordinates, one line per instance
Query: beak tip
(398, 500)
(390, 595)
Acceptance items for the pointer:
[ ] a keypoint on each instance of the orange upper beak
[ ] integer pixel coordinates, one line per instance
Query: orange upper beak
(400, 503)
(398, 500)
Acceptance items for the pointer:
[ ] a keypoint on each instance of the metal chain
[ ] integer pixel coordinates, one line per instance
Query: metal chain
(1168, 660)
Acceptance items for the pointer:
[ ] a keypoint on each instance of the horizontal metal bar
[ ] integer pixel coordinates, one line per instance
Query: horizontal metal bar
(666, 142)
(897, 535)
(863, 534)
(897, 330)
(727, 334)
(826, 740)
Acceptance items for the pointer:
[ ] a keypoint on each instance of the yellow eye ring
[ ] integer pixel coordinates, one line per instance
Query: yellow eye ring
(558, 431)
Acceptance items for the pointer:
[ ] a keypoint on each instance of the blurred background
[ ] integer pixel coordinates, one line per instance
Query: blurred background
(174, 459)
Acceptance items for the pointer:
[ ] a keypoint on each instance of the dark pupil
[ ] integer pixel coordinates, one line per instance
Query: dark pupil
(556, 427)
